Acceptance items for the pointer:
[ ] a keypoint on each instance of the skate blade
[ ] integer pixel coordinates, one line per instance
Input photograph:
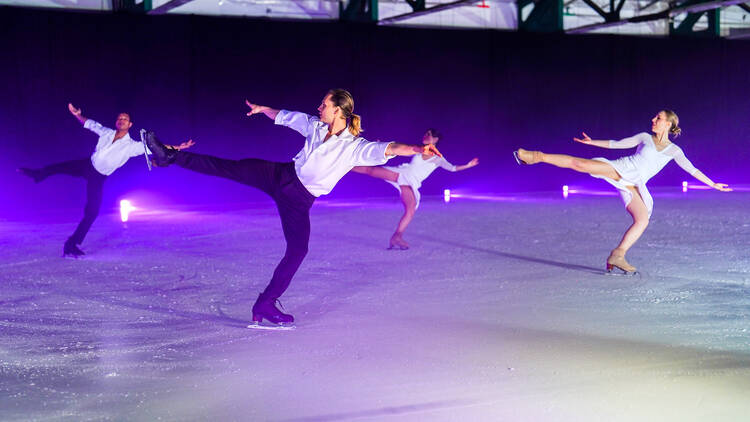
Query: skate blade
(620, 272)
(397, 248)
(279, 327)
(518, 160)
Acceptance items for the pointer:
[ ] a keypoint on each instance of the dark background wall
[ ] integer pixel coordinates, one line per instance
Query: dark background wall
(488, 91)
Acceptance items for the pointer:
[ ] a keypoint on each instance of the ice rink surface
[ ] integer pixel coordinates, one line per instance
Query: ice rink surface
(500, 311)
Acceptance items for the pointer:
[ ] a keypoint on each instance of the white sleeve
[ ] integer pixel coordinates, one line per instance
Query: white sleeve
(442, 162)
(96, 127)
(301, 122)
(136, 148)
(368, 153)
(630, 142)
(681, 160)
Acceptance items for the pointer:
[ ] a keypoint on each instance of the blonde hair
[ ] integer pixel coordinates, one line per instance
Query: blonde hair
(343, 99)
(675, 130)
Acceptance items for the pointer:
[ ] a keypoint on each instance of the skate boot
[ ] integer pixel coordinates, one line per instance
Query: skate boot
(616, 259)
(524, 157)
(32, 173)
(163, 155)
(398, 242)
(265, 308)
(70, 249)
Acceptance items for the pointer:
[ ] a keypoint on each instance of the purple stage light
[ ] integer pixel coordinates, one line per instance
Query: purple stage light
(125, 208)
(565, 191)
(684, 186)
(447, 195)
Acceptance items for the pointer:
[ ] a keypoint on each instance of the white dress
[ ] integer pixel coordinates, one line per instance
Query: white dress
(414, 172)
(637, 169)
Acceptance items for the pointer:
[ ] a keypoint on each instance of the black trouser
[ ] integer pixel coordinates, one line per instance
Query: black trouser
(280, 182)
(94, 187)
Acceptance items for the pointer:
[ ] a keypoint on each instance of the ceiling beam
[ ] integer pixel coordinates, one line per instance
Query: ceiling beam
(434, 9)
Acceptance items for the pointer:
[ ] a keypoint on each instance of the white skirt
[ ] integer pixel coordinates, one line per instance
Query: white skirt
(629, 176)
(406, 179)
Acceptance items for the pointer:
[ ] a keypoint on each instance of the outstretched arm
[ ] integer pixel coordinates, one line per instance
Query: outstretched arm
(705, 179)
(621, 144)
(394, 148)
(76, 112)
(682, 161)
(468, 165)
(256, 109)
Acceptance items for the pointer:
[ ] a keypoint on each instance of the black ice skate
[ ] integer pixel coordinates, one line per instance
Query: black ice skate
(32, 173)
(163, 155)
(70, 249)
(265, 308)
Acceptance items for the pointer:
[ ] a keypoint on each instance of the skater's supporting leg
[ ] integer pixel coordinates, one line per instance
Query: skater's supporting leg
(94, 190)
(639, 212)
(410, 207)
(251, 171)
(377, 172)
(295, 222)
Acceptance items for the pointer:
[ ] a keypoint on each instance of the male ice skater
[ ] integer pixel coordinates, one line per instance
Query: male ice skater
(332, 148)
(114, 148)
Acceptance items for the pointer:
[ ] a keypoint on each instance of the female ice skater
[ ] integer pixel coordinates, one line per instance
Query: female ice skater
(113, 149)
(332, 147)
(408, 178)
(629, 174)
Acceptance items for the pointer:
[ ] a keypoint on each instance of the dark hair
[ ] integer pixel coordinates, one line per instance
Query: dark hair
(343, 99)
(125, 113)
(435, 133)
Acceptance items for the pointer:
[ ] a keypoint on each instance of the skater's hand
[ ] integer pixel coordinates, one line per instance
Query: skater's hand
(184, 145)
(74, 111)
(431, 149)
(474, 161)
(584, 140)
(255, 108)
(722, 187)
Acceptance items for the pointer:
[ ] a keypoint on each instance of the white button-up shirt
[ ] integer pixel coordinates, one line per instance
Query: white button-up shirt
(109, 156)
(321, 164)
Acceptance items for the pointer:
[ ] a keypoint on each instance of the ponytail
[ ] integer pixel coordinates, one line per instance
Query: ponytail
(355, 127)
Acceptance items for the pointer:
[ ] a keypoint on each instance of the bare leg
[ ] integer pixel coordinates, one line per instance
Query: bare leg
(410, 207)
(377, 172)
(582, 165)
(639, 212)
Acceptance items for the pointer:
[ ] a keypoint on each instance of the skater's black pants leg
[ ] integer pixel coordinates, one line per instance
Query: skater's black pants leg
(279, 181)
(260, 174)
(94, 188)
(293, 201)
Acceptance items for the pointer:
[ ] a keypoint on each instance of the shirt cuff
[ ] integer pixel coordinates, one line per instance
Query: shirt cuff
(280, 117)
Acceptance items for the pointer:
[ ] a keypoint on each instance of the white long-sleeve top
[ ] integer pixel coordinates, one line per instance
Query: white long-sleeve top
(647, 160)
(637, 169)
(109, 156)
(322, 163)
(413, 173)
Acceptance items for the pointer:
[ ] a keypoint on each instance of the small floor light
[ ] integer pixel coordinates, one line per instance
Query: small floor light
(447, 195)
(565, 191)
(125, 208)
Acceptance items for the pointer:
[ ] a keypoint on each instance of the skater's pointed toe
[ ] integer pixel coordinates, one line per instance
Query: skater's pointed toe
(524, 157)
(32, 173)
